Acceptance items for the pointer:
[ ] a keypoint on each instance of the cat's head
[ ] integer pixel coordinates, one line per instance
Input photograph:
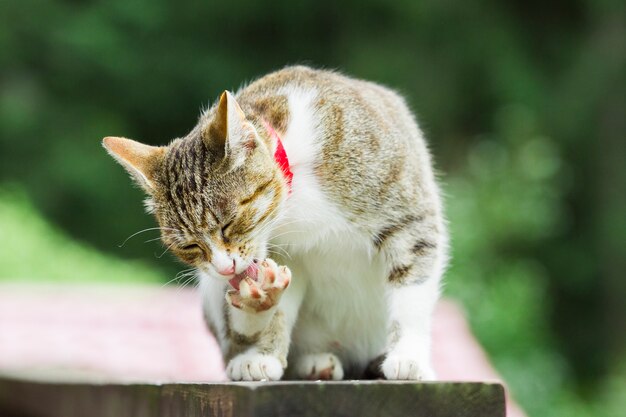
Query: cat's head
(214, 193)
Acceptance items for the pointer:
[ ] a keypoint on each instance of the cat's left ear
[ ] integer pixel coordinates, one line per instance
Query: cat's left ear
(141, 161)
(230, 132)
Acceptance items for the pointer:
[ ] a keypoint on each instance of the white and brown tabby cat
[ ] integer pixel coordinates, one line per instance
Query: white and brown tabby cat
(330, 174)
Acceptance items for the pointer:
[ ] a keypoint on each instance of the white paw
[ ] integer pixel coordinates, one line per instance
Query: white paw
(254, 366)
(260, 287)
(319, 366)
(396, 367)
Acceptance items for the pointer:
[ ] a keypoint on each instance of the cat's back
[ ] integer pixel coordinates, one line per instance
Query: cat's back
(367, 150)
(355, 120)
(338, 99)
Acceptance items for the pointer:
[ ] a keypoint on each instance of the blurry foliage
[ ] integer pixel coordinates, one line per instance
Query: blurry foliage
(36, 251)
(522, 101)
(509, 201)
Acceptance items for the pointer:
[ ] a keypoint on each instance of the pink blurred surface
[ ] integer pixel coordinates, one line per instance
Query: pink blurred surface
(153, 334)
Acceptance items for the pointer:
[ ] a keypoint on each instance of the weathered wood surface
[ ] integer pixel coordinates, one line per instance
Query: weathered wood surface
(121, 335)
(21, 398)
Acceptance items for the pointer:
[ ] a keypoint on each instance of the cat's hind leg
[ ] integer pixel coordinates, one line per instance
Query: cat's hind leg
(407, 355)
(416, 253)
(314, 366)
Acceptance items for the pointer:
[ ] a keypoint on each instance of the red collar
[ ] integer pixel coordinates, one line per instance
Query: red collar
(280, 156)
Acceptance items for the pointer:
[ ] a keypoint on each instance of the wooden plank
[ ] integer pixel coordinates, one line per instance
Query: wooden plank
(23, 398)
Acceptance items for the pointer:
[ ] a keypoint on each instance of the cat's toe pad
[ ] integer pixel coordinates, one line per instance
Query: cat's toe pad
(403, 368)
(253, 366)
(316, 366)
(263, 292)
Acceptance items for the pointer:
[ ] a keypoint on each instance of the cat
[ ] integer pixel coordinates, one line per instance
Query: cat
(329, 175)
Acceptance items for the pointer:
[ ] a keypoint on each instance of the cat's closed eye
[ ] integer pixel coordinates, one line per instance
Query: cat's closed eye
(191, 247)
(192, 252)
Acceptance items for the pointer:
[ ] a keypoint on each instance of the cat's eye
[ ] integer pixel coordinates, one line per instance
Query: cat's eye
(191, 247)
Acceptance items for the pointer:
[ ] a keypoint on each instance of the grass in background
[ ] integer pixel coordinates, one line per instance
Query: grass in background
(33, 250)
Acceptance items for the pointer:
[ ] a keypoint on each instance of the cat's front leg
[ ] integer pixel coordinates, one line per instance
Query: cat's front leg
(257, 329)
(261, 293)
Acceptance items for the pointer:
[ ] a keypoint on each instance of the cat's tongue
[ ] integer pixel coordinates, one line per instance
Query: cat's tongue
(251, 271)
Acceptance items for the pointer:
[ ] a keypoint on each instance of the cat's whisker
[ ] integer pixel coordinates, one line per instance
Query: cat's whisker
(183, 279)
(185, 271)
(181, 286)
(280, 244)
(277, 245)
(179, 276)
(153, 240)
(188, 281)
(280, 221)
(166, 249)
(266, 226)
(170, 281)
(272, 224)
(287, 232)
(278, 250)
(283, 253)
(146, 230)
(196, 285)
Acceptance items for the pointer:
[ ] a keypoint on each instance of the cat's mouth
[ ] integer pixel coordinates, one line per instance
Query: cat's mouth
(251, 271)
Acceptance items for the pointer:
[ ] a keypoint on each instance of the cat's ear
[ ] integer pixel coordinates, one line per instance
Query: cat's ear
(230, 132)
(141, 161)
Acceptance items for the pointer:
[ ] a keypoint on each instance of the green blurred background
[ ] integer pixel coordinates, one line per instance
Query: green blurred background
(523, 103)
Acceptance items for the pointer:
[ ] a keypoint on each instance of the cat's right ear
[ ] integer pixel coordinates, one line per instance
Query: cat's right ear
(141, 161)
(230, 134)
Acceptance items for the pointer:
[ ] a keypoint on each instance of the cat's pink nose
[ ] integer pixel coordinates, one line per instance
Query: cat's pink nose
(228, 270)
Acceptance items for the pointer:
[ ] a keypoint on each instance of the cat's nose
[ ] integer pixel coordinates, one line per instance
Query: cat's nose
(229, 270)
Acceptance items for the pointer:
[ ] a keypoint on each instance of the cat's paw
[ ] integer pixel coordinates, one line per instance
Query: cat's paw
(261, 288)
(253, 366)
(397, 367)
(319, 366)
